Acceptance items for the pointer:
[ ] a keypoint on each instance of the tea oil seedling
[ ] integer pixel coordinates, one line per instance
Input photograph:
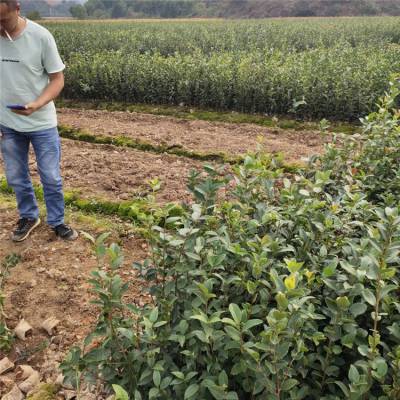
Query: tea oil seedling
(285, 288)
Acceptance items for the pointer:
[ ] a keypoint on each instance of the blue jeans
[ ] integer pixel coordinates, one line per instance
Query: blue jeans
(47, 147)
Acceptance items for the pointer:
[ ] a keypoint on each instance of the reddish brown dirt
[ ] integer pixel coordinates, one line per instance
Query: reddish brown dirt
(199, 136)
(116, 173)
(52, 281)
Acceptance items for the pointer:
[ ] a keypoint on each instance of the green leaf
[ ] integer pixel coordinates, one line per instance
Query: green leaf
(215, 260)
(153, 315)
(196, 212)
(200, 317)
(369, 296)
(176, 242)
(88, 236)
(194, 256)
(235, 312)
(97, 355)
(343, 302)
(160, 323)
(363, 350)
(304, 192)
(102, 238)
(253, 353)
(217, 391)
(191, 375)
(387, 289)
(344, 388)
(282, 300)
(157, 378)
(348, 268)
(153, 393)
(252, 323)
(202, 336)
(329, 271)
(380, 367)
(223, 378)
(138, 396)
(357, 309)
(293, 266)
(128, 333)
(290, 282)
(229, 321)
(120, 393)
(354, 375)
(179, 374)
(348, 340)
(251, 287)
(289, 384)
(283, 349)
(191, 391)
(233, 333)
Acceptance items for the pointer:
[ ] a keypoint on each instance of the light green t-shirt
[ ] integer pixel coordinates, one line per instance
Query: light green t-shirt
(25, 64)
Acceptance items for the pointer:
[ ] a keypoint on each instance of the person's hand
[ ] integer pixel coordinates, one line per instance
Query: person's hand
(30, 108)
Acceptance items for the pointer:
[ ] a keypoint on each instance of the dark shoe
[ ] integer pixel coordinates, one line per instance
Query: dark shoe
(65, 232)
(24, 228)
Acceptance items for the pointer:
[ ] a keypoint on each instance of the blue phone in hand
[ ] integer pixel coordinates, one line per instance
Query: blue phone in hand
(16, 107)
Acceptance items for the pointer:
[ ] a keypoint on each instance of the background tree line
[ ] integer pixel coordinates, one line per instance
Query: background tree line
(208, 8)
(232, 8)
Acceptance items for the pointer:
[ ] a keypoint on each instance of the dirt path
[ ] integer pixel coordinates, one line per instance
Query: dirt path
(199, 136)
(51, 280)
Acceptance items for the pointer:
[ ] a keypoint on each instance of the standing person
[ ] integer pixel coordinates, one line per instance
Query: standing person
(31, 77)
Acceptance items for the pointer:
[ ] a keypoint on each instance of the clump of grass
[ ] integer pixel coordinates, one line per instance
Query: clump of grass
(47, 391)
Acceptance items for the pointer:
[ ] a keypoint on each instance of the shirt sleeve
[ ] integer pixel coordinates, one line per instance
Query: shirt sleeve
(50, 57)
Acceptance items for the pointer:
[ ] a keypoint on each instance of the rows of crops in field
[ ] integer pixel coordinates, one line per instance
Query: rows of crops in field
(334, 68)
(265, 286)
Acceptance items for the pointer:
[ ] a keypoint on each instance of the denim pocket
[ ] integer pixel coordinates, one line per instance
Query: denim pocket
(3, 132)
(4, 135)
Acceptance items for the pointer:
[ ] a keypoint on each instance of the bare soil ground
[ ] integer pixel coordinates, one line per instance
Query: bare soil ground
(52, 281)
(116, 173)
(199, 136)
